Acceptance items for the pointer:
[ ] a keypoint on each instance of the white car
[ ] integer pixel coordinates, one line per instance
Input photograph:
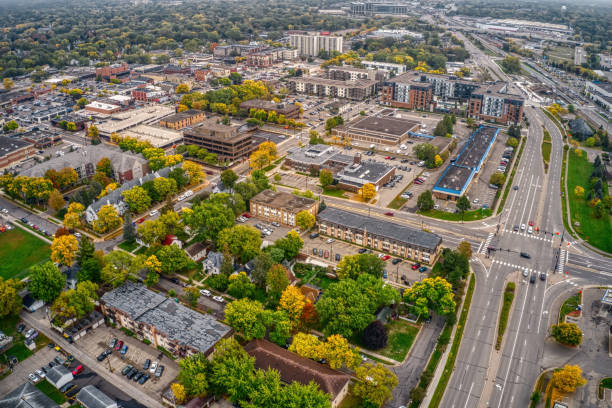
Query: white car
(476, 200)
(41, 373)
(153, 213)
(219, 299)
(204, 292)
(329, 241)
(530, 230)
(153, 367)
(33, 377)
(4, 210)
(522, 227)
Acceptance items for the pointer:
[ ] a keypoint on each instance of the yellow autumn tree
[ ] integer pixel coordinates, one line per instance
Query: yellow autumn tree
(368, 191)
(63, 249)
(194, 172)
(180, 394)
(568, 378)
(292, 301)
(109, 187)
(307, 345)
(108, 219)
(338, 351)
(71, 220)
(153, 264)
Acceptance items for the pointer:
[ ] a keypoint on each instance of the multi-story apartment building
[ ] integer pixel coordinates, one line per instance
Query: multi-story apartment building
(348, 73)
(290, 111)
(396, 69)
(601, 94)
(313, 44)
(415, 90)
(224, 140)
(161, 321)
(372, 8)
(281, 207)
(355, 90)
(181, 120)
(115, 71)
(393, 238)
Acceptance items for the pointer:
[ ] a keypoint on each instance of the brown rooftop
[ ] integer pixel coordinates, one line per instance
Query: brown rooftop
(280, 199)
(295, 368)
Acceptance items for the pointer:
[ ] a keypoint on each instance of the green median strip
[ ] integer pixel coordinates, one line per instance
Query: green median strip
(505, 313)
(509, 183)
(452, 355)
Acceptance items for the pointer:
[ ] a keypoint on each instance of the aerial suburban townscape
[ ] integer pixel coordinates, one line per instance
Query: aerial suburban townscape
(305, 204)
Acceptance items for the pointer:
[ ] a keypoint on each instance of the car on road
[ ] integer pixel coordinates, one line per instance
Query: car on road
(118, 345)
(543, 276)
(522, 227)
(153, 213)
(525, 272)
(532, 278)
(531, 223)
(124, 349)
(525, 255)
(389, 214)
(205, 292)
(423, 269)
(530, 230)
(396, 261)
(153, 367)
(515, 188)
(219, 299)
(515, 228)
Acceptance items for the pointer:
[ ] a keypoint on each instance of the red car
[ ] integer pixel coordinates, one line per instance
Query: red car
(531, 223)
(389, 214)
(140, 221)
(386, 257)
(77, 370)
(418, 181)
(415, 267)
(326, 254)
(246, 215)
(388, 158)
(119, 345)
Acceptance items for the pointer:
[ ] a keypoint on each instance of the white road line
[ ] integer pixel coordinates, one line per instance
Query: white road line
(468, 396)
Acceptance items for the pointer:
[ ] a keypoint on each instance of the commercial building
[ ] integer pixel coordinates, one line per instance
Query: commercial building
(181, 120)
(118, 122)
(396, 69)
(354, 176)
(125, 166)
(391, 237)
(115, 71)
(27, 395)
(226, 141)
(321, 87)
(271, 56)
(290, 111)
(101, 107)
(13, 151)
(456, 179)
(601, 94)
(293, 367)
(376, 129)
(157, 136)
(222, 51)
(396, 34)
(281, 207)
(162, 321)
(381, 7)
(313, 44)
(416, 90)
(149, 93)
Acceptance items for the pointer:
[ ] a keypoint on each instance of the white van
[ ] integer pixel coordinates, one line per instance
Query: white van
(421, 164)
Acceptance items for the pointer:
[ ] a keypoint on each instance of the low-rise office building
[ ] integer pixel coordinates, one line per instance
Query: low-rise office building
(281, 207)
(601, 94)
(313, 158)
(181, 120)
(290, 111)
(13, 151)
(381, 235)
(226, 141)
(354, 176)
(376, 129)
(101, 107)
(162, 321)
(456, 179)
(321, 87)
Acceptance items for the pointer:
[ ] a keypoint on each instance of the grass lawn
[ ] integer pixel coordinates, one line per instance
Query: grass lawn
(596, 232)
(561, 54)
(606, 383)
(18, 251)
(141, 250)
(333, 193)
(323, 281)
(467, 216)
(350, 401)
(18, 350)
(569, 306)
(546, 148)
(401, 336)
(128, 246)
(505, 313)
(51, 392)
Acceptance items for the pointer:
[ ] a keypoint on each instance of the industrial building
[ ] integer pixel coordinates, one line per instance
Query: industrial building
(376, 129)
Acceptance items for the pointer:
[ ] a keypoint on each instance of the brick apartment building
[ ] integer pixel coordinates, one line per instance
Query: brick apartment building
(290, 111)
(181, 120)
(224, 140)
(115, 71)
(324, 87)
(281, 207)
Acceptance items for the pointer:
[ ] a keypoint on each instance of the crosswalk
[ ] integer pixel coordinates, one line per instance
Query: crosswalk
(522, 268)
(483, 248)
(532, 236)
(562, 260)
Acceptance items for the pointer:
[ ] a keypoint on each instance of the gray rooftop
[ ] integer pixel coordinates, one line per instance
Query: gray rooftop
(92, 397)
(9, 145)
(364, 172)
(317, 154)
(26, 396)
(384, 124)
(376, 226)
(200, 331)
(56, 373)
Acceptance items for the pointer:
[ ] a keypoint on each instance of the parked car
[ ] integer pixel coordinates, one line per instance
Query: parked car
(67, 387)
(153, 367)
(423, 269)
(396, 261)
(146, 364)
(314, 235)
(386, 257)
(362, 250)
(40, 373)
(219, 299)
(330, 240)
(124, 349)
(338, 257)
(132, 373)
(144, 379)
(126, 369)
(137, 376)
(159, 371)
(525, 255)
(78, 370)
(205, 292)
(326, 254)
(118, 345)
(414, 267)
(389, 214)
(20, 327)
(153, 213)
(101, 356)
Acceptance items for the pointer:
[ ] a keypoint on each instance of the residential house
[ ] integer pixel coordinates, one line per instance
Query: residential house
(212, 263)
(26, 395)
(196, 252)
(30, 304)
(91, 397)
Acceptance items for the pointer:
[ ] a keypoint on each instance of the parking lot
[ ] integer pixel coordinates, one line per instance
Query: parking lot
(98, 340)
(336, 249)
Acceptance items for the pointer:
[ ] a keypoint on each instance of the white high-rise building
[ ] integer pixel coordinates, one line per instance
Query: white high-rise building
(312, 44)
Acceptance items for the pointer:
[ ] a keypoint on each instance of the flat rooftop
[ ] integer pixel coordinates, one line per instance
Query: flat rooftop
(9, 145)
(376, 226)
(156, 135)
(281, 199)
(364, 172)
(183, 115)
(383, 124)
(312, 154)
(118, 122)
(334, 82)
(476, 147)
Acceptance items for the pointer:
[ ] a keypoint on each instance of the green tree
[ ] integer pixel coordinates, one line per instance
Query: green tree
(129, 232)
(90, 270)
(290, 245)
(240, 286)
(326, 178)
(276, 282)
(86, 250)
(209, 219)
(261, 265)
(498, 178)
(463, 204)
(431, 293)
(179, 176)
(46, 281)
(375, 385)
(425, 201)
(511, 64)
(119, 266)
(173, 259)
(244, 316)
(76, 303)
(152, 232)
(305, 220)
(243, 241)
(137, 199)
(512, 142)
(229, 177)
(231, 370)
(193, 374)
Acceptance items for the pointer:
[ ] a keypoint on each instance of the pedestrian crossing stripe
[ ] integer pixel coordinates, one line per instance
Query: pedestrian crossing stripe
(524, 234)
(483, 249)
(522, 268)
